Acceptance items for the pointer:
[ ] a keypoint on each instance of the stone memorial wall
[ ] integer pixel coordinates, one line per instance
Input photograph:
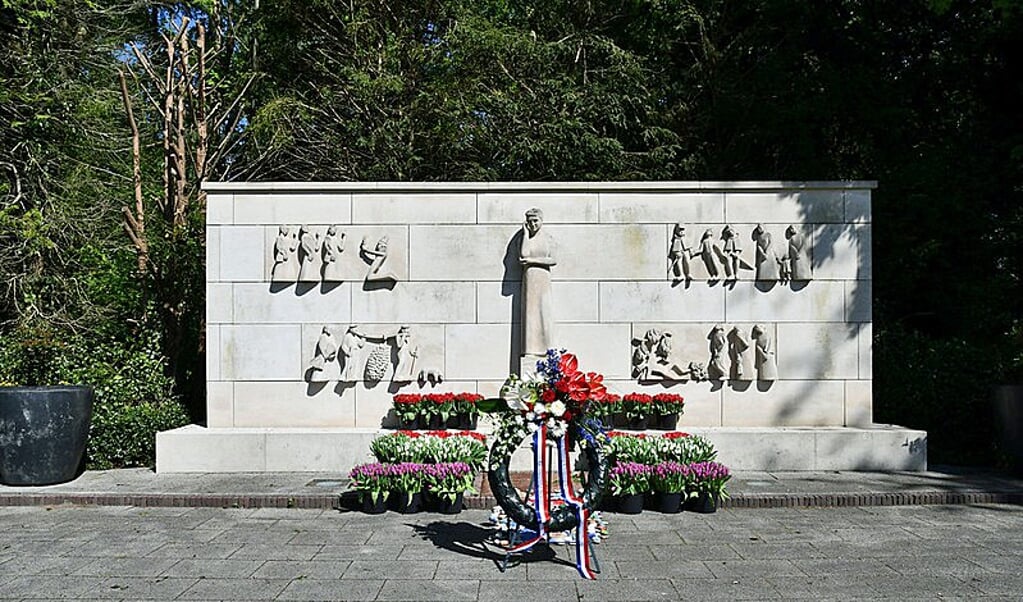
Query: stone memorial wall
(751, 299)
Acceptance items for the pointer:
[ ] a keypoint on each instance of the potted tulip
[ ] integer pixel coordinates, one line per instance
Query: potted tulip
(707, 486)
(408, 407)
(667, 407)
(629, 482)
(406, 480)
(438, 407)
(447, 483)
(466, 410)
(669, 482)
(638, 408)
(373, 482)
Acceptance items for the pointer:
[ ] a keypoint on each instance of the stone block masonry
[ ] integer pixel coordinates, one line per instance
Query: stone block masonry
(309, 283)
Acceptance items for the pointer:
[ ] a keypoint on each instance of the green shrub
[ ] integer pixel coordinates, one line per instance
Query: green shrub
(134, 398)
(941, 385)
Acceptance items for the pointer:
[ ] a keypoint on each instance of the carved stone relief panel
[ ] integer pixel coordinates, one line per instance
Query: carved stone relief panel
(716, 352)
(350, 353)
(322, 253)
(718, 256)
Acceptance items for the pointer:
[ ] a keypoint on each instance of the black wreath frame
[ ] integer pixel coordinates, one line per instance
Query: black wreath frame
(563, 517)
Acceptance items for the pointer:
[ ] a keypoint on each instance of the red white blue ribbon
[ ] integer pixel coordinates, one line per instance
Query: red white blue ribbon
(582, 536)
(541, 499)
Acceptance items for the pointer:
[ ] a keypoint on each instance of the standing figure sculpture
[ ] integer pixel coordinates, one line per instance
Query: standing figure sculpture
(308, 250)
(738, 352)
(408, 353)
(766, 260)
(710, 254)
(767, 363)
(326, 352)
(285, 265)
(379, 267)
(679, 255)
(798, 255)
(716, 367)
(351, 347)
(536, 256)
(733, 253)
(333, 246)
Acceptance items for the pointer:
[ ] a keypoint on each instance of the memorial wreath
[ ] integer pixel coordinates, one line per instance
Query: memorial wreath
(550, 407)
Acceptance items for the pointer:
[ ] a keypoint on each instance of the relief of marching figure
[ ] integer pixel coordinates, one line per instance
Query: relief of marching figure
(733, 253)
(766, 360)
(333, 246)
(285, 267)
(768, 265)
(716, 368)
(679, 255)
(308, 252)
(740, 356)
(797, 261)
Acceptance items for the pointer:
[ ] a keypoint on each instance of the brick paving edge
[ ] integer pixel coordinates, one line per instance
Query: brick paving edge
(336, 501)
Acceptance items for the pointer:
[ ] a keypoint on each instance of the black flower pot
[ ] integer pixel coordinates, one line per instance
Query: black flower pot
(703, 503)
(445, 505)
(43, 432)
(667, 422)
(405, 502)
(435, 422)
(468, 422)
(631, 503)
(639, 424)
(668, 503)
(409, 425)
(371, 506)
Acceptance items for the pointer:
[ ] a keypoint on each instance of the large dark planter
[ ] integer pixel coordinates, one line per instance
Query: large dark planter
(43, 431)
(640, 423)
(435, 422)
(631, 503)
(668, 503)
(1009, 418)
(667, 422)
(373, 506)
(703, 503)
(468, 422)
(444, 504)
(404, 502)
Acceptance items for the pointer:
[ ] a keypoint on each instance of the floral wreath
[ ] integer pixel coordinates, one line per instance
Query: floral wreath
(554, 400)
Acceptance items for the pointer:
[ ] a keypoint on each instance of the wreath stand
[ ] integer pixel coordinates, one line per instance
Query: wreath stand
(541, 519)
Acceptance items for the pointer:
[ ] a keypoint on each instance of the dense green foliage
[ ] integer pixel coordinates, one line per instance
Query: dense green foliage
(922, 96)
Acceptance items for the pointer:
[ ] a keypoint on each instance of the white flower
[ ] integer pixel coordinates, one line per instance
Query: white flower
(532, 427)
(517, 394)
(530, 416)
(540, 409)
(558, 408)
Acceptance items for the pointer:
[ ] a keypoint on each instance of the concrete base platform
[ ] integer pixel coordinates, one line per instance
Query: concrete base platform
(877, 448)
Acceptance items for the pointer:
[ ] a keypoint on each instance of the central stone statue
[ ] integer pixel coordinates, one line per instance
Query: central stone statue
(536, 255)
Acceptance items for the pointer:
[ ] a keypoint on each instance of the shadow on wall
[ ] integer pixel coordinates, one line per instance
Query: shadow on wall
(511, 286)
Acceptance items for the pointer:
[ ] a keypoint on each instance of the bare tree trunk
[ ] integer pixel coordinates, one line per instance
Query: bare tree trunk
(135, 223)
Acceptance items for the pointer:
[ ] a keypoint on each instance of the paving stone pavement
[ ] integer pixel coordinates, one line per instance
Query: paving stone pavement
(134, 553)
